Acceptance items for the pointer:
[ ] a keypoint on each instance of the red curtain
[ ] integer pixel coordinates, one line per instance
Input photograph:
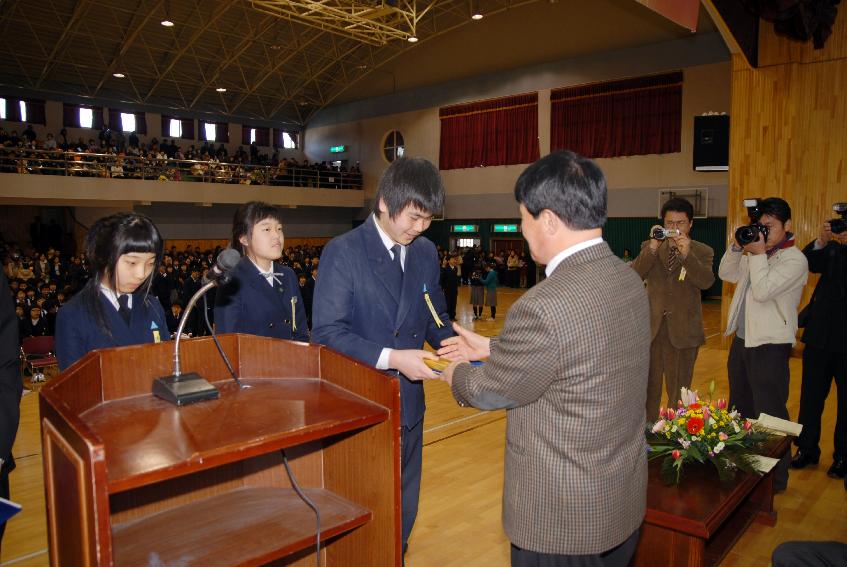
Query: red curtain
(263, 135)
(277, 137)
(618, 118)
(499, 131)
(187, 127)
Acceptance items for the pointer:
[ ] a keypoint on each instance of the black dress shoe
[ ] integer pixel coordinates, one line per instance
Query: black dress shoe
(802, 460)
(838, 468)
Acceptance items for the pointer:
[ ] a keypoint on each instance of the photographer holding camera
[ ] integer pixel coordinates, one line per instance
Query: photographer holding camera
(825, 353)
(676, 270)
(770, 273)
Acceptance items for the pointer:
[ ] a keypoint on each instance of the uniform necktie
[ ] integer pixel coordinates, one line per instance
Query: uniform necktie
(396, 250)
(123, 308)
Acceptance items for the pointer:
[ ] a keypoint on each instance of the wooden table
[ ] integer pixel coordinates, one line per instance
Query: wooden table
(697, 522)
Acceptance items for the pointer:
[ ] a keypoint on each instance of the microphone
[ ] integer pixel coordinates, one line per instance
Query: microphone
(183, 389)
(226, 261)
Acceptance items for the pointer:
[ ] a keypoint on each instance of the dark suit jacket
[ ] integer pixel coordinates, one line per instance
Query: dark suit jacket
(247, 304)
(680, 299)
(828, 311)
(10, 379)
(78, 332)
(362, 305)
(571, 367)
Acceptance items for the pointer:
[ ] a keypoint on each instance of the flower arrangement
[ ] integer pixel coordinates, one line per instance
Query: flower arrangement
(704, 431)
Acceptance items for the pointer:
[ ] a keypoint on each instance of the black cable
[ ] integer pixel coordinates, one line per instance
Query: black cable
(218, 344)
(308, 502)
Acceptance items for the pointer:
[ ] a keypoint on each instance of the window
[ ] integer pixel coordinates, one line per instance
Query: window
(175, 128)
(23, 110)
(86, 117)
(2, 109)
(465, 242)
(288, 142)
(252, 135)
(393, 147)
(210, 132)
(127, 122)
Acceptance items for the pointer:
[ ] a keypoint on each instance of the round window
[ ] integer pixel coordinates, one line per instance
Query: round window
(393, 146)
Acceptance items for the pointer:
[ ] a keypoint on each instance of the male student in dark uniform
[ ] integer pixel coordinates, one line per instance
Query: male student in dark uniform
(450, 284)
(10, 389)
(378, 298)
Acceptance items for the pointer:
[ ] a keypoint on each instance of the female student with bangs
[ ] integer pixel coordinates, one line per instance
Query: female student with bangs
(115, 307)
(262, 297)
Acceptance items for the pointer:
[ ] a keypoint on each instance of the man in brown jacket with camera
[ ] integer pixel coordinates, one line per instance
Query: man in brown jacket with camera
(676, 270)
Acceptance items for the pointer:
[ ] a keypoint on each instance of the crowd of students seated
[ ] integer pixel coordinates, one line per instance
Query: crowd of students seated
(42, 282)
(118, 155)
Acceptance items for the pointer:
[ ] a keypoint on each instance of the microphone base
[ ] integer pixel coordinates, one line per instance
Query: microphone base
(184, 389)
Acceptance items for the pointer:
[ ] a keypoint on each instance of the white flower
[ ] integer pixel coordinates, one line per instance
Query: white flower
(719, 447)
(660, 425)
(688, 396)
(685, 443)
(673, 429)
(695, 438)
(735, 427)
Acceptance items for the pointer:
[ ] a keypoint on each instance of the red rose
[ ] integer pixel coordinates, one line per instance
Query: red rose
(675, 454)
(694, 425)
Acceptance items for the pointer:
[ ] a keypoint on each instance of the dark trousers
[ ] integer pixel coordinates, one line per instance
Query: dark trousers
(675, 365)
(451, 297)
(411, 458)
(758, 383)
(4, 493)
(616, 557)
(819, 369)
(810, 554)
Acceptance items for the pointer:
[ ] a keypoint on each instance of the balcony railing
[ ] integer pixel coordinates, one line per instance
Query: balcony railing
(77, 164)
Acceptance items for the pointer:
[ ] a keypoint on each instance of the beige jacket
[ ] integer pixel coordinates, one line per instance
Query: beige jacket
(772, 287)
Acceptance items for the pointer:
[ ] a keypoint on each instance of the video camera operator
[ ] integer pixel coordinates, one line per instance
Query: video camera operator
(676, 270)
(770, 273)
(825, 353)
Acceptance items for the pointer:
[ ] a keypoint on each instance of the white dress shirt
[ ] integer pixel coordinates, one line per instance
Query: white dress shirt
(557, 259)
(382, 362)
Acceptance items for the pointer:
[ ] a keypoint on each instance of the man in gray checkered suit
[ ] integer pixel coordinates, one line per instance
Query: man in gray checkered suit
(571, 368)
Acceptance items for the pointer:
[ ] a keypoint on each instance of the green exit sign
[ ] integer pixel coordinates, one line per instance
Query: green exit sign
(505, 228)
(465, 228)
(337, 149)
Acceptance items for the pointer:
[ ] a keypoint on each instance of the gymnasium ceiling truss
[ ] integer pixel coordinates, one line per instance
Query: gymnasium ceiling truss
(279, 61)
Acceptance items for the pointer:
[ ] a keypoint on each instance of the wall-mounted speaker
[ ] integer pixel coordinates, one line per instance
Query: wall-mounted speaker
(711, 143)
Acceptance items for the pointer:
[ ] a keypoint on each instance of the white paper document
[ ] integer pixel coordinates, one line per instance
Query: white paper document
(778, 426)
(763, 464)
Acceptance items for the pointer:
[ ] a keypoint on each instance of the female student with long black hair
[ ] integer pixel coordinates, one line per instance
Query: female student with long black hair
(115, 307)
(263, 297)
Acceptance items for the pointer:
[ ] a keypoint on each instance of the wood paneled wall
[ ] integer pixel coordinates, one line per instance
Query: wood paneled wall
(787, 136)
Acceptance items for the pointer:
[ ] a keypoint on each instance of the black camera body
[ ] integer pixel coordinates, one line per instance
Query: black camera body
(748, 234)
(837, 226)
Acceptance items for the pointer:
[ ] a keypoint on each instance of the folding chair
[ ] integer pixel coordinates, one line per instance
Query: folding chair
(36, 355)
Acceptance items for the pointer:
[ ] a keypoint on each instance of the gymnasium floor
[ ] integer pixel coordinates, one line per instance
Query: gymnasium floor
(459, 519)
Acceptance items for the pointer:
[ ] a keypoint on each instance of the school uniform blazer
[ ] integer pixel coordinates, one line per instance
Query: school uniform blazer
(10, 379)
(248, 304)
(571, 368)
(363, 305)
(78, 332)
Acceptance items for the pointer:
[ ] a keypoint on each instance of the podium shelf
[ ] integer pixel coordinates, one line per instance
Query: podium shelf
(247, 526)
(146, 439)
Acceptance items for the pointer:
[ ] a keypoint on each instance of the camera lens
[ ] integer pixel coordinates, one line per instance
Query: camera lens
(658, 233)
(746, 234)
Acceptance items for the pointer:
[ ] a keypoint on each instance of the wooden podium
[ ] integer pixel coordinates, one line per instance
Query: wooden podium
(133, 480)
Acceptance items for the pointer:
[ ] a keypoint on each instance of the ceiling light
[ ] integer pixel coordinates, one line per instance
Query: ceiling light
(412, 39)
(167, 23)
(476, 16)
(221, 90)
(118, 75)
